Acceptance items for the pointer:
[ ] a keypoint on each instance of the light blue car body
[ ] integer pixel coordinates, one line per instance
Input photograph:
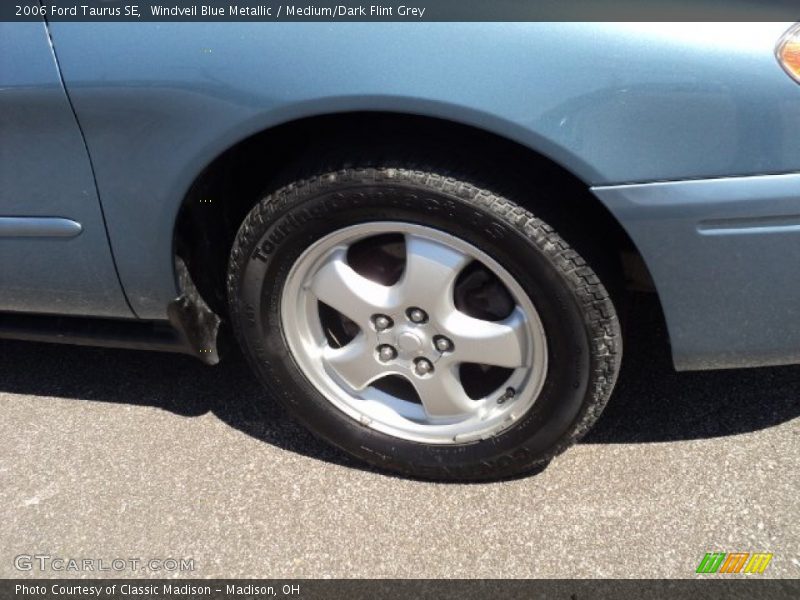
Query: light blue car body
(688, 133)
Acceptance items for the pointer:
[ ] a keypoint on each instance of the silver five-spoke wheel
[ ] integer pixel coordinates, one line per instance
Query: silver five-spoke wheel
(414, 332)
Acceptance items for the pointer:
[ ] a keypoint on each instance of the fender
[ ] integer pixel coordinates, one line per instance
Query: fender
(612, 103)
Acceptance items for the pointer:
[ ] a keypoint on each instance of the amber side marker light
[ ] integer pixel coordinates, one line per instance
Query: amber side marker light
(788, 52)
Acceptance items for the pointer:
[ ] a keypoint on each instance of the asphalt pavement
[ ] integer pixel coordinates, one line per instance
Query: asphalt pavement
(111, 454)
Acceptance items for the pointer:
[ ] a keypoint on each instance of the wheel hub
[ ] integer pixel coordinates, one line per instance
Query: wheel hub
(410, 343)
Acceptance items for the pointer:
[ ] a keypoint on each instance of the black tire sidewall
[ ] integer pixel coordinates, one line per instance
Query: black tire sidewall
(296, 222)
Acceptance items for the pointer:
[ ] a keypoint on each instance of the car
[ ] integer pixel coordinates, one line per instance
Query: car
(422, 237)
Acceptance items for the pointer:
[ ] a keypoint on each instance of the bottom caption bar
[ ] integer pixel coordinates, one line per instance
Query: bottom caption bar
(381, 589)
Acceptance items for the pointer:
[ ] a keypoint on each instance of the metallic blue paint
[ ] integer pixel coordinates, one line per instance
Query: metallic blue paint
(724, 256)
(45, 172)
(612, 103)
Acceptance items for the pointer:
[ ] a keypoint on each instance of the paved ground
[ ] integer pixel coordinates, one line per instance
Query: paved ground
(107, 454)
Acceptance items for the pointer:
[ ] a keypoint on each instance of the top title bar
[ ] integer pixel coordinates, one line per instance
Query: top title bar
(406, 10)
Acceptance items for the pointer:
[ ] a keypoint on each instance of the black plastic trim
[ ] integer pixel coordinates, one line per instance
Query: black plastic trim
(86, 331)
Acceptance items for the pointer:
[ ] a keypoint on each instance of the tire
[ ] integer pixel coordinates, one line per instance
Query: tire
(554, 327)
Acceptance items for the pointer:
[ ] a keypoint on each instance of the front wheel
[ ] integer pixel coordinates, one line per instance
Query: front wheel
(422, 324)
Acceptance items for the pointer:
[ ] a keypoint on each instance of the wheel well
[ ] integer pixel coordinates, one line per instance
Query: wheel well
(230, 186)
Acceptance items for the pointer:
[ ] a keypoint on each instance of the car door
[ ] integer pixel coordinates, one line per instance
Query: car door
(54, 251)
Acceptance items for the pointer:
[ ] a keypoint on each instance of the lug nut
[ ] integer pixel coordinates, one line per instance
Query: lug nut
(442, 344)
(386, 353)
(423, 366)
(382, 322)
(417, 315)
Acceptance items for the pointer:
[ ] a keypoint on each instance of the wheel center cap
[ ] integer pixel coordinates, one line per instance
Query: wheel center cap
(409, 342)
